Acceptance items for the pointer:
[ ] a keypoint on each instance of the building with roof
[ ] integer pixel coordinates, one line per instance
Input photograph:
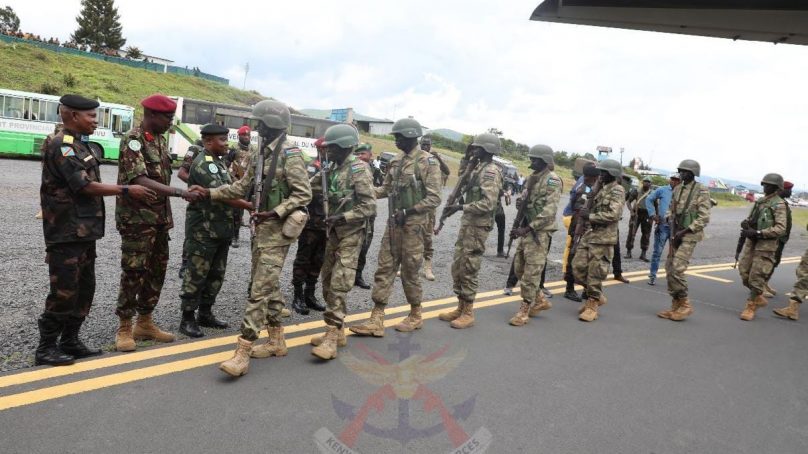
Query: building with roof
(364, 123)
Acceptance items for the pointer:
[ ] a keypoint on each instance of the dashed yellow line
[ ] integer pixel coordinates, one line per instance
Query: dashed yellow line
(95, 383)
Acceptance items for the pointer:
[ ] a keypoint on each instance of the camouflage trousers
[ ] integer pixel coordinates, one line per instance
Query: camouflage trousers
(400, 247)
(144, 259)
(675, 268)
(800, 291)
(468, 254)
(429, 229)
(755, 267)
(590, 266)
(309, 258)
(265, 302)
(207, 263)
(72, 279)
(529, 263)
(338, 273)
(363, 253)
(641, 222)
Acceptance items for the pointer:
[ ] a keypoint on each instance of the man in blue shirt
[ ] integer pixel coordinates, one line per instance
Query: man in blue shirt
(661, 197)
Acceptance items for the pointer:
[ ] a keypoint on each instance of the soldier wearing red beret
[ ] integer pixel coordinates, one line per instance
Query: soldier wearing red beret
(144, 226)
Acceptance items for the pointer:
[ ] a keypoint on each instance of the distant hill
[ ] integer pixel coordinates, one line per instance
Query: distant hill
(449, 134)
(42, 71)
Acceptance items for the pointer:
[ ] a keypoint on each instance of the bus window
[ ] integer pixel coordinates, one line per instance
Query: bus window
(49, 112)
(121, 121)
(233, 122)
(302, 131)
(13, 107)
(35, 109)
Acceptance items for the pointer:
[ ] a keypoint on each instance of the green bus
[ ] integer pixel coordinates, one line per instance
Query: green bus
(27, 118)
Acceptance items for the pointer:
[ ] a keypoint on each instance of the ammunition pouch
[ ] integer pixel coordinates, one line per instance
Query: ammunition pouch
(294, 223)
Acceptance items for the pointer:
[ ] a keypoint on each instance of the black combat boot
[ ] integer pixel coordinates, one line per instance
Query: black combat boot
(70, 342)
(643, 257)
(311, 299)
(47, 353)
(628, 254)
(188, 325)
(298, 303)
(207, 319)
(359, 281)
(571, 294)
(183, 266)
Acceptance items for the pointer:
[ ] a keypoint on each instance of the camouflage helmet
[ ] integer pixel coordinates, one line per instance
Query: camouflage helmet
(488, 142)
(543, 152)
(342, 135)
(773, 178)
(691, 165)
(274, 114)
(612, 167)
(407, 127)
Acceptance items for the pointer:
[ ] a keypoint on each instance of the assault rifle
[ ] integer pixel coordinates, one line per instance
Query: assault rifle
(674, 229)
(258, 192)
(580, 224)
(462, 182)
(742, 240)
(324, 183)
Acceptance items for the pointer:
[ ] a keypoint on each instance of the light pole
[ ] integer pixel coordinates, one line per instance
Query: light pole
(246, 70)
(621, 155)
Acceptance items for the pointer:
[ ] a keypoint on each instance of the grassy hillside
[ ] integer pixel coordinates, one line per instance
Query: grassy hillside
(38, 70)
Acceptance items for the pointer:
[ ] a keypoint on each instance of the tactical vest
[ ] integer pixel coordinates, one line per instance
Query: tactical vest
(275, 191)
(535, 204)
(411, 191)
(686, 215)
(763, 212)
(337, 193)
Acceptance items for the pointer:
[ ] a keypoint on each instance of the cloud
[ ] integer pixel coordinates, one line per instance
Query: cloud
(738, 107)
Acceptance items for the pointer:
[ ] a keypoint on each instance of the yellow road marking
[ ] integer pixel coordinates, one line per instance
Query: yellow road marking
(54, 392)
(117, 360)
(712, 278)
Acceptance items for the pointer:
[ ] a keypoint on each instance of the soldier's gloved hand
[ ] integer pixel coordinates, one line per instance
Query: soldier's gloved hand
(262, 216)
(745, 224)
(749, 233)
(680, 236)
(520, 232)
(331, 220)
(400, 217)
(143, 193)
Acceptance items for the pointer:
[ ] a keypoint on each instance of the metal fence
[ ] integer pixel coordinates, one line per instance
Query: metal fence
(156, 67)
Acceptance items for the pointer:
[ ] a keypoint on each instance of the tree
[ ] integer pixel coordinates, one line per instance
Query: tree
(9, 22)
(99, 25)
(495, 131)
(134, 53)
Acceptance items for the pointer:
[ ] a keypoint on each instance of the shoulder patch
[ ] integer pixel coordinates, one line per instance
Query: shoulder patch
(553, 182)
(209, 158)
(290, 152)
(134, 145)
(357, 167)
(68, 151)
(68, 139)
(432, 161)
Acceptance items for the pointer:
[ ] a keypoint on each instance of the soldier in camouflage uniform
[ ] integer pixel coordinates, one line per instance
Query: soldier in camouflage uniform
(639, 220)
(239, 158)
(183, 174)
(58, 128)
(480, 200)
(210, 231)
(279, 221)
(762, 230)
(351, 202)
(429, 250)
(799, 294)
(412, 186)
(144, 227)
(311, 246)
(535, 232)
(785, 194)
(595, 251)
(72, 203)
(690, 214)
(365, 153)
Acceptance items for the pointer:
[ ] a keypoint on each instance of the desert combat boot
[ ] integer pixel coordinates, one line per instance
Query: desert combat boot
(124, 342)
(374, 326)
(684, 310)
(521, 318)
(428, 274)
(541, 304)
(590, 312)
(466, 319)
(328, 348)
(753, 305)
(145, 329)
(452, 315)
(274, 346)
(412, 322)
(674, 307)
(342, 340)
(239, 364)
(791, 311)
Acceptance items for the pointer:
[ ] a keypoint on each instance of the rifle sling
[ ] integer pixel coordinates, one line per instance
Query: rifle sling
(269, 176)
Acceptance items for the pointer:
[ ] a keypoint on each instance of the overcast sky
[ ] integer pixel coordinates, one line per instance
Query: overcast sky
(740, 108)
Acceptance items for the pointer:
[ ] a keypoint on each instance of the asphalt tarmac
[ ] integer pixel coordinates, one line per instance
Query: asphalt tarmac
(627, 383)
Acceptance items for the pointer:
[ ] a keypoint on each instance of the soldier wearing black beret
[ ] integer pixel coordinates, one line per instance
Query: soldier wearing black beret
(72, 219)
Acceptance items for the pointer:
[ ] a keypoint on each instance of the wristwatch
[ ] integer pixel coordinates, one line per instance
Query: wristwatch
(758, 233)
(125, 190)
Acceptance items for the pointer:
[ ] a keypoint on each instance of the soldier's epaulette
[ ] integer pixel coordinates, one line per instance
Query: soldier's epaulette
(208, 158)
(292, 152)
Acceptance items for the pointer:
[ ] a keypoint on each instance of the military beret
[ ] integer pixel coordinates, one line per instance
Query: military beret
(319, 142)
(213, 130)
(788, 185)
(78, 102)
(159, 103)
(244, 130)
